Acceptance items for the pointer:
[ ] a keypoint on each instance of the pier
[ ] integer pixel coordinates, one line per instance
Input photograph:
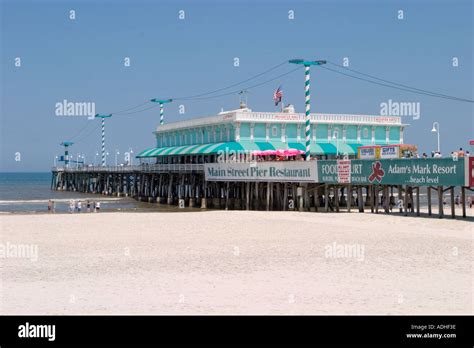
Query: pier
(331, 185)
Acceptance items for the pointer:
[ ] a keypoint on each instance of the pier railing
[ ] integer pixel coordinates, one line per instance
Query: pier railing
(146, 168)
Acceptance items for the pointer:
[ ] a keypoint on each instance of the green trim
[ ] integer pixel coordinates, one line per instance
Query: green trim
(205, 149)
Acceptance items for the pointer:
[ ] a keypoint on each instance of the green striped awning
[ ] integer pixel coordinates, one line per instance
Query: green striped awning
(207, 149)
(327, 148)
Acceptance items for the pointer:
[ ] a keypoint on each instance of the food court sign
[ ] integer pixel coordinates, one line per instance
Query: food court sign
(284, 171)
(422, 172)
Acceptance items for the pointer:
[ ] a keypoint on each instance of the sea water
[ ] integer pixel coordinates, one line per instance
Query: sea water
(30, 192)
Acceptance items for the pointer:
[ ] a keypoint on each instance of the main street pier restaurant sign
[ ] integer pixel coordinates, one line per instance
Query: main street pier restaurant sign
(420, 172)
(284, 171)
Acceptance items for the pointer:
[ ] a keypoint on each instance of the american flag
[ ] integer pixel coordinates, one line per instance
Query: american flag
(277, 96)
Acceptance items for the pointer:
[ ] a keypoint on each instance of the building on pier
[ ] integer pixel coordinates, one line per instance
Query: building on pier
(199, 140)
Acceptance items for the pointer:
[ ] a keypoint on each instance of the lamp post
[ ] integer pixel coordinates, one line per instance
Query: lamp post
(128, 156)
(436, 130)
(55, 160)
(106, 154)
(335, 135)
(77, 160)
(307, 64)
(83, 159)
(116, 154)
(95, 158)
(162, 111)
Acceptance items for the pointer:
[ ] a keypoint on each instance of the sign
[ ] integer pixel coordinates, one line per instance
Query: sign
(284, 171)
(389, 152)
(368, 152)
(470, 173)
(344, 171)
(420, 172)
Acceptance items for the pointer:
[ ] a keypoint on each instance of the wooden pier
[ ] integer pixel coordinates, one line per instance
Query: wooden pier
(184, 185)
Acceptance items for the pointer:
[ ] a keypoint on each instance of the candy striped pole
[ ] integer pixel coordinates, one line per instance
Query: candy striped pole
(102, 119)
(103, 142)
(162, 108)
(66, 145)
(307, 65)
(162, 111)
(308, 111)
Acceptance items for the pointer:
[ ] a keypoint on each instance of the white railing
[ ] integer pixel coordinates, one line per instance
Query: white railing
(329, 118)
(137, 168)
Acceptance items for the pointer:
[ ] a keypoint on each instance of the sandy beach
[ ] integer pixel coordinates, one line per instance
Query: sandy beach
(236, 262)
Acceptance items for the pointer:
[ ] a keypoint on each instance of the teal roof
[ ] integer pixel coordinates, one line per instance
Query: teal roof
(208, 149)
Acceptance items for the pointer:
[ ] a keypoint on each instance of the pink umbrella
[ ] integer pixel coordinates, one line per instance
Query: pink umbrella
(293, 152)
(269, 152)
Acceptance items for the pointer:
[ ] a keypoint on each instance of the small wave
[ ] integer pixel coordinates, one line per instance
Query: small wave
(61, 200)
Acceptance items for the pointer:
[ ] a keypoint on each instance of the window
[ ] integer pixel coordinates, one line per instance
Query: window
(366, 132)
(274, 131)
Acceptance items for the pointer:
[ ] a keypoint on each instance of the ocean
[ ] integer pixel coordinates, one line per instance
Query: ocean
(30, 192)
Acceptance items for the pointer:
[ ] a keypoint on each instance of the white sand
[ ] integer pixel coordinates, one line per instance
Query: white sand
(236, 262)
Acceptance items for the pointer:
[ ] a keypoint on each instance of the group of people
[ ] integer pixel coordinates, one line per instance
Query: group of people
(76, 206)
(457, 201)
(454, 154)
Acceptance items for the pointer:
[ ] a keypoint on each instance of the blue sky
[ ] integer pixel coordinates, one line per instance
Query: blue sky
(82, 60)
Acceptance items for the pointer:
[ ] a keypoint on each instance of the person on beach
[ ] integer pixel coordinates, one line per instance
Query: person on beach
(456, 200)
(71, 206)
(50, 206)
(54, 206)
(79, 206)
(469, 201)
(97, 206)
(88, 206)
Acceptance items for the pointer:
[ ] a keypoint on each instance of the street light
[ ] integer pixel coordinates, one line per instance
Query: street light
(105, 158)
(116, 154)
(128, 156)
(335, 135)
(131, 156)
(436, 130)
(95, 158)
(307, 65)
(83, 159)
(55, 160)
(77, 160)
